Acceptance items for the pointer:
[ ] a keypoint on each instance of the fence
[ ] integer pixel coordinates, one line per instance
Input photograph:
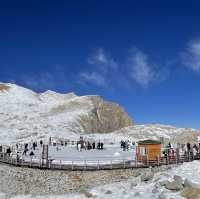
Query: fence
(98, 164)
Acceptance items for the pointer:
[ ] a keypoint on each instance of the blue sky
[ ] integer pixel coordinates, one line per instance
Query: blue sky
(144, 55)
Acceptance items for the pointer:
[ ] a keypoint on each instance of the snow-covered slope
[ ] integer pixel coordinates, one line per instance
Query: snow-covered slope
(26, 115)
(149, 131)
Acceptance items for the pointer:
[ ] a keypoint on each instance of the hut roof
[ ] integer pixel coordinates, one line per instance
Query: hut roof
(149, 142)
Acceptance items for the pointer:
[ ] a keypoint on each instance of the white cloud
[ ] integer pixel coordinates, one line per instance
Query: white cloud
(108, 72)
(102, 66)
(191, 56)
(93, 77)
(101, 59)
(141, 70)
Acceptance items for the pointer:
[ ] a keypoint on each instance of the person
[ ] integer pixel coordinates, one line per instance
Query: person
(89, 145)
(31, 155)
(195, 151)
(188, 147)
(101, 145)
(79, 146)
(41, 142)
(93, 145)
(25, 146)
(25, 151)
(34, 146)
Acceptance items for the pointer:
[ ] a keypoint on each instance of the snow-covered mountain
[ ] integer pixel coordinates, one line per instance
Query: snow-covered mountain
(26, 115)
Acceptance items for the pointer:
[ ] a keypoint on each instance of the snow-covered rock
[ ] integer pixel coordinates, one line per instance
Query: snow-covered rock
(158, 131)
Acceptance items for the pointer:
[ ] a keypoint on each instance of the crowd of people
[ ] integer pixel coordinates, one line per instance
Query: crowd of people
(23, 150)
(188, 150)
(87, 145)
(126, 145)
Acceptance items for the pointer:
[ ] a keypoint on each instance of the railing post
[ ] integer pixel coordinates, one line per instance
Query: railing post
(147, 161)
(98, 164)
(167, 159)
(124, 164)
(111, 164)
(136, 161)
(72, 165)
(189, 156)
(85, 165)
(31, 163)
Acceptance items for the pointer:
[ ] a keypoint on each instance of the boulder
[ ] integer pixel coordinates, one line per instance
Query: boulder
(178, 179)
(174, 185)
(108, 192)
(88, 194)
(148, 175)
(163, 183)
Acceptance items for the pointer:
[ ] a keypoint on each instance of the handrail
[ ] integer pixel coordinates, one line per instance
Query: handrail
(96, 164)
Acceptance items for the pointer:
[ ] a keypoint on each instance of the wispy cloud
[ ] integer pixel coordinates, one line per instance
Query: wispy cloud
(191, 56)
(93, 77)
(102, 59)
(141, 70)
(101, 64)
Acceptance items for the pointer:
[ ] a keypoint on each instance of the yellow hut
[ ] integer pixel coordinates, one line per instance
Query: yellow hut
(148, 149)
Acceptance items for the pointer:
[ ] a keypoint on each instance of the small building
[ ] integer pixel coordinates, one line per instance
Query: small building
(148, 150)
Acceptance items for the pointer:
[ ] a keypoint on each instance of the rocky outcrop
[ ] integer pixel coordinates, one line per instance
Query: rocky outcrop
(4, 87)
(175, 185)
(105, 117)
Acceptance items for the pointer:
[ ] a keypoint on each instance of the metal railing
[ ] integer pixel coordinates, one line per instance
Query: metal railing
(96, 164)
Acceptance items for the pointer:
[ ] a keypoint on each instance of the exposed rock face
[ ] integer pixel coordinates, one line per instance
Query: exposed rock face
(105, 117)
